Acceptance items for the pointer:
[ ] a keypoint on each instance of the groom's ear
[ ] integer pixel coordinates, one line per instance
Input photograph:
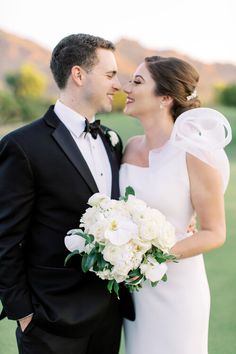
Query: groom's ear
(77, 75)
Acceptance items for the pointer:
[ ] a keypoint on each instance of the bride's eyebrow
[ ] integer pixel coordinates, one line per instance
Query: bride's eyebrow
(139, 76)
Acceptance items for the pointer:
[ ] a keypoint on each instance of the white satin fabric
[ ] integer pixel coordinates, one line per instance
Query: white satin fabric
(173, 317)
(204, 132)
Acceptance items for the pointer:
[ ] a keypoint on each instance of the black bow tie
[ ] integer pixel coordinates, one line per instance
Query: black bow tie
(92, 128)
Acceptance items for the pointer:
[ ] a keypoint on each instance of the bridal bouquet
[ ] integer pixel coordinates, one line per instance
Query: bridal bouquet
(122, 241)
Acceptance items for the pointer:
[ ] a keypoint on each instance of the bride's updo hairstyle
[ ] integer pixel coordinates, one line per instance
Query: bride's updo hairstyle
(175, 78)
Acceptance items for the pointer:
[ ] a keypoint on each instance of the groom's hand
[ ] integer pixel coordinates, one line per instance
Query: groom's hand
(192, 227)
(24, 322)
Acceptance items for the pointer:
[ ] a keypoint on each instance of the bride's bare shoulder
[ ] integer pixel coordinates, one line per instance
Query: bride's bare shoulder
(132, 147)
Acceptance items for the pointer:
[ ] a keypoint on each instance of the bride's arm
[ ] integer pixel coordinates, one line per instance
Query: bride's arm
(208, 201)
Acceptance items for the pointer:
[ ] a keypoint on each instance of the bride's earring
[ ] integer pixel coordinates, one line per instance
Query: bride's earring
(161, 106)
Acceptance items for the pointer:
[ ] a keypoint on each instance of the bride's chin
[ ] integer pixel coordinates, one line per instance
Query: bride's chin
(127, 111)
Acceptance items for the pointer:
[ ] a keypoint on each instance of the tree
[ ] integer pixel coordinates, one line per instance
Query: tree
(9, 107)
(227, 95)
(119, 101)
(28, 82)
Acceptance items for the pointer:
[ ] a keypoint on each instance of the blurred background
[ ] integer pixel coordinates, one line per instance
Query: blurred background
(201, 32)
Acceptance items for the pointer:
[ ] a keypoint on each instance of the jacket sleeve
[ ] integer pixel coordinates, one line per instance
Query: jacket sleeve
(16, 203)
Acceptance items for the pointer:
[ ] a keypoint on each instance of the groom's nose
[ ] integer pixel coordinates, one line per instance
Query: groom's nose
(117, 84)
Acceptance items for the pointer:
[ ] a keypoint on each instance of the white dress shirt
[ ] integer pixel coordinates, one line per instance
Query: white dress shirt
(92, 149)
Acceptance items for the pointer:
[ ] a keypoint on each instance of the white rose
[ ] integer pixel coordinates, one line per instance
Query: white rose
(166, 238)
(113, 138)
(142, 245)
(148, 230)
(88, 217)
(75, 242)
(137, 259)
(118, 277)
(118, 254)
(136, 205)
(105, 274)
(108, 204)
(98, 230)
(122, 270)
(97, 198)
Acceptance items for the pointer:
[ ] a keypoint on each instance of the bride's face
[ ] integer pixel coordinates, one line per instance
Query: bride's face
(141, 98)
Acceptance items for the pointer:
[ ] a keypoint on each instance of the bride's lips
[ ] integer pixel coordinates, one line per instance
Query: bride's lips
(129, 100)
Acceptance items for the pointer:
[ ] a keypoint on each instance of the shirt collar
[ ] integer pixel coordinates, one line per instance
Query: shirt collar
(73, 121)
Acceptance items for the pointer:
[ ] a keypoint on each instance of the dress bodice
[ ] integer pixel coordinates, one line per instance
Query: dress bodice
(165, 183)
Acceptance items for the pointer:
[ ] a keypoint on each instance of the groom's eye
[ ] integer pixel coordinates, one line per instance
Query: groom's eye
(111, 74)
(136, 82)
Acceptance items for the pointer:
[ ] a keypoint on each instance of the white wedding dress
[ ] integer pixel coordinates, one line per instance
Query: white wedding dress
(172, 318)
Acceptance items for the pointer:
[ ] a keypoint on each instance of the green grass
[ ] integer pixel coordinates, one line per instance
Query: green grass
(220, 266)
(220, 263)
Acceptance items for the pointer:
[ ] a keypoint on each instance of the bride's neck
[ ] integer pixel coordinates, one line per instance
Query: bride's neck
(157, 131)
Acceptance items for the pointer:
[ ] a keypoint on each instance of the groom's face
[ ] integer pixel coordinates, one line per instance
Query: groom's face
(102, 82)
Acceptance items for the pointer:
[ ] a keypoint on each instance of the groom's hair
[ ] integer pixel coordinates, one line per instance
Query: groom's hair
(76, 49)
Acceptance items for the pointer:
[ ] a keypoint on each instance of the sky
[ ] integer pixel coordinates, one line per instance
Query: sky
(202, 29)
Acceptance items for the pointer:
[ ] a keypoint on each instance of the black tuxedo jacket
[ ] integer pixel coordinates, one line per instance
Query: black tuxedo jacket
(45, 184)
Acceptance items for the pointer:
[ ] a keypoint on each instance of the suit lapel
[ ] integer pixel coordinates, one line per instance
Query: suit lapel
(64, 139)
(115, 190)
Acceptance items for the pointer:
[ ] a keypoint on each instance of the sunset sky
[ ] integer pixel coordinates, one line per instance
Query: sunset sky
(202, 29)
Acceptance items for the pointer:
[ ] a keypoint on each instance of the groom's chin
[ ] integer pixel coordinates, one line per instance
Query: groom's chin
(105, 110)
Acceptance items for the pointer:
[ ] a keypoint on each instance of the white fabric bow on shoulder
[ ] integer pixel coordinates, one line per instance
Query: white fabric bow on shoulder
(204, 132)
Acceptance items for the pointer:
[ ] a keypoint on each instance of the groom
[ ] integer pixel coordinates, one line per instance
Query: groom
(48, 171)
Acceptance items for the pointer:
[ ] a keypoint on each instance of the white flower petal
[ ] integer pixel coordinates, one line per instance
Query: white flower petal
(157, 272)
(113, 138)
(118, 237)
(75, 242)
(154, 272)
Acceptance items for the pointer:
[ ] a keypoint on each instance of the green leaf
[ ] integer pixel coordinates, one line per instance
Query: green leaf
(164, 278)
(88, 237)
(101, 263)
(129, 191)
(84, 262)
(135, 281)
(88, 261)
(116, 288)
(134, 273)
(133, 288)
(100, 247)
(110, 285)
(154, 283)
(70, 255)
(113, 285)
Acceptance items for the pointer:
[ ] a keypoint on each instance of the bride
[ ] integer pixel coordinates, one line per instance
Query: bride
(179, 167)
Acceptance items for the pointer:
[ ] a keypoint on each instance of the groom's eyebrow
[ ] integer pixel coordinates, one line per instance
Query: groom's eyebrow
(113, 72)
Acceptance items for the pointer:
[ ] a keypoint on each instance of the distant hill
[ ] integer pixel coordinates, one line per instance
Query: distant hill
(131, 53)
(16, 51)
